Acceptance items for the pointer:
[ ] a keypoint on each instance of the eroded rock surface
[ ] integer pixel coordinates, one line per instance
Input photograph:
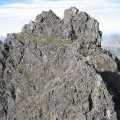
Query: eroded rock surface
(55, 69)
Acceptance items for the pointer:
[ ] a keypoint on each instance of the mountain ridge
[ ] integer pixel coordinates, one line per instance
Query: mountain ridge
(55, 69)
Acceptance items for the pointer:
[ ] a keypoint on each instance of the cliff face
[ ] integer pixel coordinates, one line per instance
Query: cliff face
(55, 69)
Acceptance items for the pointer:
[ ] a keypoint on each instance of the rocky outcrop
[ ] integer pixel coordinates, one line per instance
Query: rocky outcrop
(55, 69)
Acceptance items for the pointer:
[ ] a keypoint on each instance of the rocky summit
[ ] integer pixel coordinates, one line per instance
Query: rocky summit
(55, 69)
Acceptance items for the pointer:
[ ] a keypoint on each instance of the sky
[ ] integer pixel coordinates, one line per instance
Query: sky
(15, 13)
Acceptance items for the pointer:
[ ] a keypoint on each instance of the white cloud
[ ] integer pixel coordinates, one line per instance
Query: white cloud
(14, 16)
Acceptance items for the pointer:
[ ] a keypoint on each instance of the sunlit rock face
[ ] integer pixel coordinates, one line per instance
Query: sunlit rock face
(55, 69)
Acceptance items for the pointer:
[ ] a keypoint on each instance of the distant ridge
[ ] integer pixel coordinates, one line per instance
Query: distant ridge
(2, 38)
(112, 43)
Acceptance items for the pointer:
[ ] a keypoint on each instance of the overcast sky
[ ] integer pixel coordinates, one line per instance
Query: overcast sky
(15, 13)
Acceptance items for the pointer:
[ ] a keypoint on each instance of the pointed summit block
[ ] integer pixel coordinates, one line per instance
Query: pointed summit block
(70, 12)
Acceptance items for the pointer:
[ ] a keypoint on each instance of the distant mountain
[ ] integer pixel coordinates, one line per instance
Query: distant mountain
(112, 43)
(2, 38)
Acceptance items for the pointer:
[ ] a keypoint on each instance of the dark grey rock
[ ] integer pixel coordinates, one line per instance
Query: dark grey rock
(55, 69)
(0, 42)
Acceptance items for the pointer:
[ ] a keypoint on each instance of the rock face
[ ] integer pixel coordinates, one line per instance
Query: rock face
(55, 69)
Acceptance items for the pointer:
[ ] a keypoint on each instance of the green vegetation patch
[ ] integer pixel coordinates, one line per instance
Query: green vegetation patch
(49, 40)
(55, 41)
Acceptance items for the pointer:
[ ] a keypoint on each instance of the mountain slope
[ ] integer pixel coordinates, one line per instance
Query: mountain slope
(55, 69)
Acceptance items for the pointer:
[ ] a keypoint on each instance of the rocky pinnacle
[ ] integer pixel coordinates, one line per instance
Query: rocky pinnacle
(55, 69)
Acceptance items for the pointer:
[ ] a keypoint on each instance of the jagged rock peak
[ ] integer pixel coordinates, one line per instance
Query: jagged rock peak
(71, 11)
(55, 69)
(45, 14)
(75, 25)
